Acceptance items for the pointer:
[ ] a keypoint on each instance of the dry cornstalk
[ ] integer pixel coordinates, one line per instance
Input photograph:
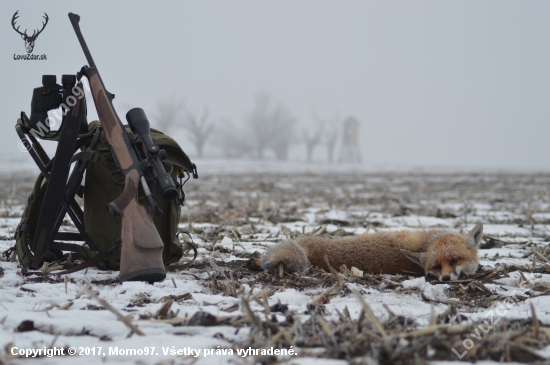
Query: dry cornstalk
(108, 306)
(540, 255)
(163, 311)
(368, 311)
(320, 231)
(246, 308)
(325, 297)
(535, 321)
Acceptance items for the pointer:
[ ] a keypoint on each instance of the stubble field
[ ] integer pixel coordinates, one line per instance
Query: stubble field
(230, 313)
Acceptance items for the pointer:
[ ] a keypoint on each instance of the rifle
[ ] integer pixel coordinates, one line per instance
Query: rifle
(141, 248)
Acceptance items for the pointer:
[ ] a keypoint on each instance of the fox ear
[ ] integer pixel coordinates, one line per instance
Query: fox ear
(476, 235)
(416, 257)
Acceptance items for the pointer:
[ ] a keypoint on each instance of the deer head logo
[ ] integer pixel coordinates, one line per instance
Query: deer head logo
(29, 40)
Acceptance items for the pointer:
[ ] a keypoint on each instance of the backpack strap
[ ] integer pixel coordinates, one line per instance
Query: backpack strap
(87, 155)
(172, 267)
(91, 262)
(81, 251)
(191, 244)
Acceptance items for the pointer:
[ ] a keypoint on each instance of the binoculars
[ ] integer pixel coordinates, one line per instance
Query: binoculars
(52, 96)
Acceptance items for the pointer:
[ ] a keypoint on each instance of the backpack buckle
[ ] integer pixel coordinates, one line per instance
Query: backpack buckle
(7, 253)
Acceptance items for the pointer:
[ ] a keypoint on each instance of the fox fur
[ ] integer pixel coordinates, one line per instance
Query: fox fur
(443, 254)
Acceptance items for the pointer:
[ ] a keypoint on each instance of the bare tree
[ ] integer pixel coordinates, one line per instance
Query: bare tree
(232, 140)
(271, 127)
(328, 135)
(169, 112)
(259, 124)
(200, 129)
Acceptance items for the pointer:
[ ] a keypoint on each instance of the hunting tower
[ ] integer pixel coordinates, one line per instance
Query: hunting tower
(349, 150)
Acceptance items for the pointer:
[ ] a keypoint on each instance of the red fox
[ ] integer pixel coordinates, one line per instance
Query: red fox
(441, 254)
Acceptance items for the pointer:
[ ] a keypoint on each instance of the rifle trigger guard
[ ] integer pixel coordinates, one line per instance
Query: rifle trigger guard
(119, 182)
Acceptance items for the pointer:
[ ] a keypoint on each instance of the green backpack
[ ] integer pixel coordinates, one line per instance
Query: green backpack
(99, 189)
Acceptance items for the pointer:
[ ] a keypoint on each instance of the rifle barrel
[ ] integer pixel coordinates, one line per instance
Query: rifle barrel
(75, 18)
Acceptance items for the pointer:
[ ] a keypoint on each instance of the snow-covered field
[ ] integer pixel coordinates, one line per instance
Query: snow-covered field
(219, 307)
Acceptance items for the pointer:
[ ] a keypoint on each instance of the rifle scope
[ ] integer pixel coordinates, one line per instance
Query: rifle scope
(139, 124)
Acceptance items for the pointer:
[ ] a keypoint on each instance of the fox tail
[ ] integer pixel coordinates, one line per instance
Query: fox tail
(289, 253)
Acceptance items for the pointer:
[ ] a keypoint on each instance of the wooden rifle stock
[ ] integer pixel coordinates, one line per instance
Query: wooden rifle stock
(141, 249)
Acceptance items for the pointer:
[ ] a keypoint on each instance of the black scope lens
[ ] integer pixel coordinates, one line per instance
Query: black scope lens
(138, 122)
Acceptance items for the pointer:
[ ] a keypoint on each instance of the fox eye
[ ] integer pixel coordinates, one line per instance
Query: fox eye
(436, 267)
(454, 261)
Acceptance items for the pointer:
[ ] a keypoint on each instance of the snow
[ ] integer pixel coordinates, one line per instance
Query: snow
(65, 317)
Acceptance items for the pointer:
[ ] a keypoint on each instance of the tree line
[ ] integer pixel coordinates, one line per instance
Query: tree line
(269, 129)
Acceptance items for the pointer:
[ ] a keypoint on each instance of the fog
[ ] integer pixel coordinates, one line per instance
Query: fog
(460, 84)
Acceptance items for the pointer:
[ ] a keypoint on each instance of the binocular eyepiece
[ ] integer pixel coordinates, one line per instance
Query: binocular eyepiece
(139, 124)
(45, 98)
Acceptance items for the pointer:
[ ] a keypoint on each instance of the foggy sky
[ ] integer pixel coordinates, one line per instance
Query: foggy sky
(454, 83)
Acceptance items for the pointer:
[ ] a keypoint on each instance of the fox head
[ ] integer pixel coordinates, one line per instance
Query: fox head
(449, 255)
